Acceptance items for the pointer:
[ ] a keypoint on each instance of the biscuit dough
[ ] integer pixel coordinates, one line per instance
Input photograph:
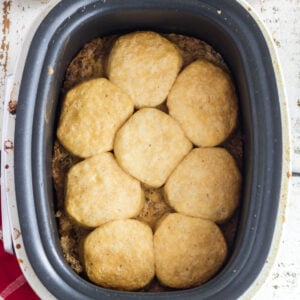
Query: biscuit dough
(150, 145)
(145, 65)
(188, 251)
(92, 112)
(98, 191)
(203, 101)
(120, 255)
(206, 184)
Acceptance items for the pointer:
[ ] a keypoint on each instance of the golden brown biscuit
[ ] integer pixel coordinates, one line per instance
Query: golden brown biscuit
(150, 145)
(98, 191)
(206, 184)
(145, 65)
(92, 112)
(203, 101)
(120, 255)
(188, 251)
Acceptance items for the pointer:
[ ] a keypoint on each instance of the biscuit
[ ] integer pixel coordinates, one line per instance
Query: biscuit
(206, 184)
(204, 102)
(145, 65)
(98, 191)
(150, 145)
(92, 112)
(120, 255)
(188, 251)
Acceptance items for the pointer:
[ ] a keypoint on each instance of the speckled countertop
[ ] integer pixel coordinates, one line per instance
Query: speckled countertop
(281, 278)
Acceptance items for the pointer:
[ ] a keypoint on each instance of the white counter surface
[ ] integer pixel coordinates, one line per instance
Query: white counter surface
(282, 19)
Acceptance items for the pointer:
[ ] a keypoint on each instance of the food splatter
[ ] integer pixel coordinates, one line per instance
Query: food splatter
(12, 107)
(4, 47)
(8, 145)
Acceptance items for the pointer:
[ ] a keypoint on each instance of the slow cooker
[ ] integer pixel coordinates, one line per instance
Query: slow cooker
(233, 29)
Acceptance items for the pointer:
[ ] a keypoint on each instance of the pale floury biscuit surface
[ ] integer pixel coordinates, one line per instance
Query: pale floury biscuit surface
(98, 191)
(207, 184)
(150, 145)
(188, 251)
(92, 112)
(120, 255)
(203, 101)
(145, 65)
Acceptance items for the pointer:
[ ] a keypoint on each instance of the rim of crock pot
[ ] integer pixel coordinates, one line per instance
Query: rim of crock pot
(25, 164)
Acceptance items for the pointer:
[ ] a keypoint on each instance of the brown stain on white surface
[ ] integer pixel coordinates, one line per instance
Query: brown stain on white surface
(4, 47)
(12, 107)
(16, 233)
(8, 145)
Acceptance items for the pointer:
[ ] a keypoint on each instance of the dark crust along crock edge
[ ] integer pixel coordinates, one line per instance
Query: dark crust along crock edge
(231, 31)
